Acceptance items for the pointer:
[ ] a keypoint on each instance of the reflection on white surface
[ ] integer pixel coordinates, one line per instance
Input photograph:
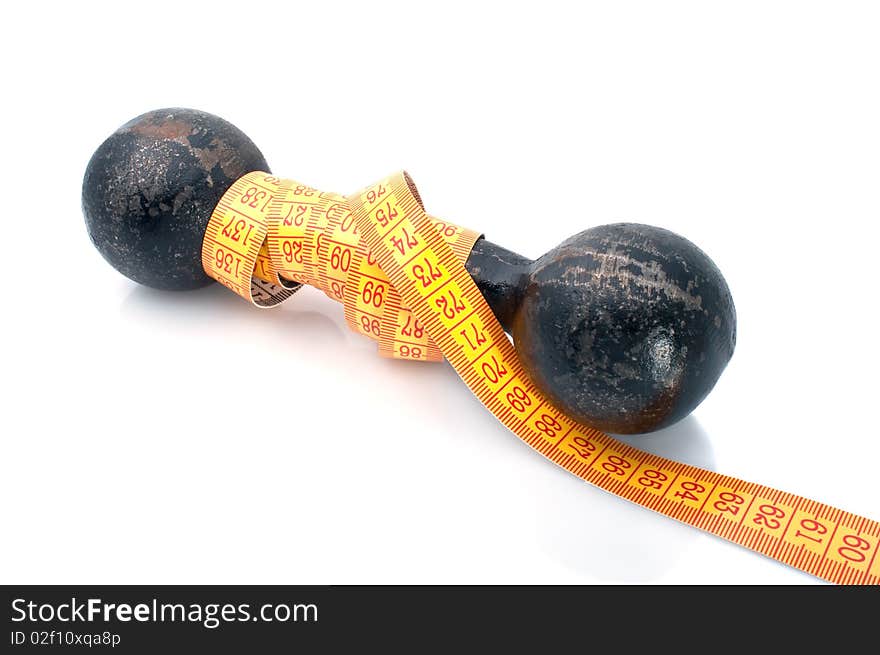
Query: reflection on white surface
(579, 526)
(308, 329)
(613, 539)
(686, 442)
(312, 319)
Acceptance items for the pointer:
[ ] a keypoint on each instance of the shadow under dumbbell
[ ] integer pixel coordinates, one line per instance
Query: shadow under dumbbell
(580, 526)
(612, 539)
(686, 442)
(308, 316)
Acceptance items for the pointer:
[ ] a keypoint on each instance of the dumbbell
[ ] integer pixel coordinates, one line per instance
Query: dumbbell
(625, 327)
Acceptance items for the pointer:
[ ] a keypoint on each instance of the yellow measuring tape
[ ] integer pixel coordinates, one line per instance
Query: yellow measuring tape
(400, 274)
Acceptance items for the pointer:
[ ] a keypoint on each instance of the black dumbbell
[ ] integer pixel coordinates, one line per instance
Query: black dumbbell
(625, 327)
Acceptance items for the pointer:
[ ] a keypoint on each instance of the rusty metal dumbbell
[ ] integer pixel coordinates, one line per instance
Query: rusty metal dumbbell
(625, 327)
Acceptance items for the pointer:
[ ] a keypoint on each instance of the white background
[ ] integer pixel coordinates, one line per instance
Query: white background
(752, 128)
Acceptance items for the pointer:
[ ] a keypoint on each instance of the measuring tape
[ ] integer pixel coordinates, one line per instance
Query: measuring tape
(401, 277)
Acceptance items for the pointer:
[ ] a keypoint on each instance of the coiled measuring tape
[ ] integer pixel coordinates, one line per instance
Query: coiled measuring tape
(400, 274)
